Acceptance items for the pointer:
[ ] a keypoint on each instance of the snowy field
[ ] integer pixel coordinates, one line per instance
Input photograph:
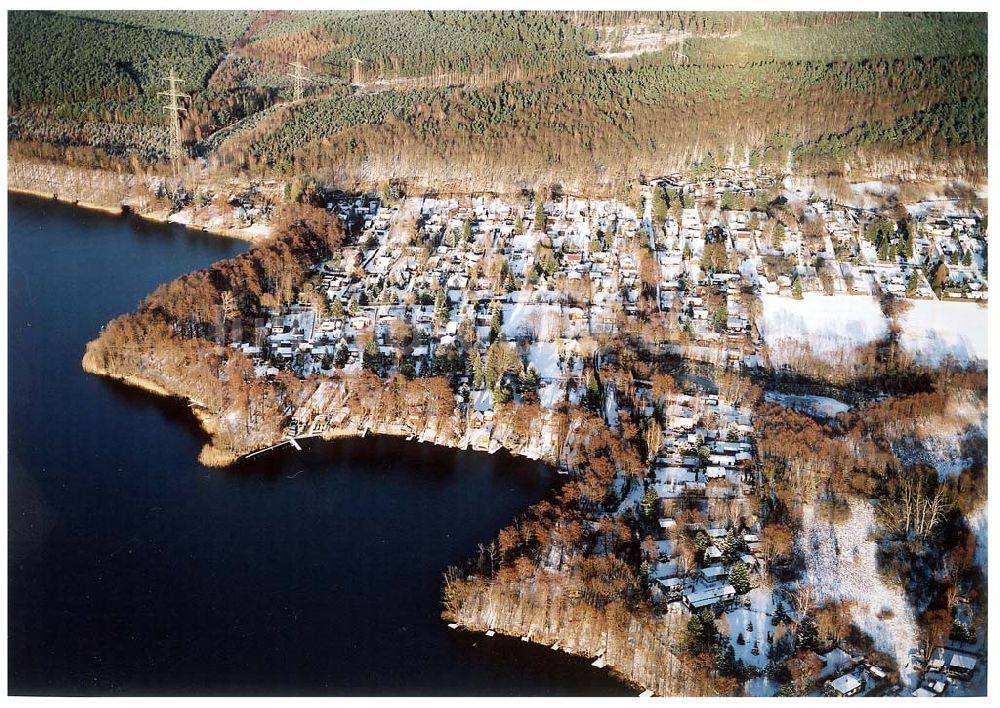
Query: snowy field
(935, 328)
(825, 324)
(841, 565)
(819, 406)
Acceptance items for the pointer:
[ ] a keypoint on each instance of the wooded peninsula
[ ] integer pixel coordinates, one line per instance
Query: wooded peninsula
(726, 272)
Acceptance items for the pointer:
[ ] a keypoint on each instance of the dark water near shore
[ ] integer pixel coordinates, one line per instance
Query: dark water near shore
(134, 570)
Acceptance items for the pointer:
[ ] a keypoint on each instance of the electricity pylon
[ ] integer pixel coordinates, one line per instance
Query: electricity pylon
(174, 108)
(298, 77)
(357, 69)
(679, 56)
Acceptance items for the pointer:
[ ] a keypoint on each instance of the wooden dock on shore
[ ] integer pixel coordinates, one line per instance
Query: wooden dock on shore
(294, 442)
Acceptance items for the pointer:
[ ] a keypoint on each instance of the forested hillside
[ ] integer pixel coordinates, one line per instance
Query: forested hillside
(587, 98)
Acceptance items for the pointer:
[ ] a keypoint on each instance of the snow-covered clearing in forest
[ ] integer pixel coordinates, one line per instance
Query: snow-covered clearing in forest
(978, 523)
(824, 323)
(841, 565)
(819, 406)
(935, 328)
(937, 438)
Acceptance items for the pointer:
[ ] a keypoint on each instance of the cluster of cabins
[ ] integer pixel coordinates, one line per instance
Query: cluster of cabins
(706, 459)
(946, 668)
(579, 273)
(835, 257)
(844, 675)
(847, 676)
(581, 270)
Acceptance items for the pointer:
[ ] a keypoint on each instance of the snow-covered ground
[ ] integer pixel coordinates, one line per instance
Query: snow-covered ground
(544, 322)
(552, 395)
(935, 328)
(761, 687)
(819, 406)
(870, 194)
(841, 565)
(257, 231)
(180, 217)
(758, 615)
(544, 356)
(978, 523)
(823, 323)
(936, 438)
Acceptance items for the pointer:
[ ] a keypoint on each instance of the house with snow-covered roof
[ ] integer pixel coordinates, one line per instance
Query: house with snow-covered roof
(846, 685)
(709, 597)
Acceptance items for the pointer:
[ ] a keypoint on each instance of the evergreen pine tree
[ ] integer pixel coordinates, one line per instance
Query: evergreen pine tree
(660, 205)
(341, 356)
(728, 544)
(650, 503)
(732, 667)
(778, 237)
(539, 217)
(529, 384)
(496, 320)
(779, 614)
(509, 284)
(477, 369)
(720, 319)
(739, 577)
(808, 634)
(592, 397)
(369, 358)
(441, 308)
(797, 289)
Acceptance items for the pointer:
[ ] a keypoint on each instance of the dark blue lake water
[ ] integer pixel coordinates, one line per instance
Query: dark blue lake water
(134, 570)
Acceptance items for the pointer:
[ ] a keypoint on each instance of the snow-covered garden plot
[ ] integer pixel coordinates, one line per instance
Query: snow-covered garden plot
(541, 322)
(841, 565)
(544, 356)
(757, 616)
(552, 395)
(933, 329)
(821, 324)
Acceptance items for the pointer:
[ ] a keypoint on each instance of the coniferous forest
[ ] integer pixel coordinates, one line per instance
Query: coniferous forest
(585, 98)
